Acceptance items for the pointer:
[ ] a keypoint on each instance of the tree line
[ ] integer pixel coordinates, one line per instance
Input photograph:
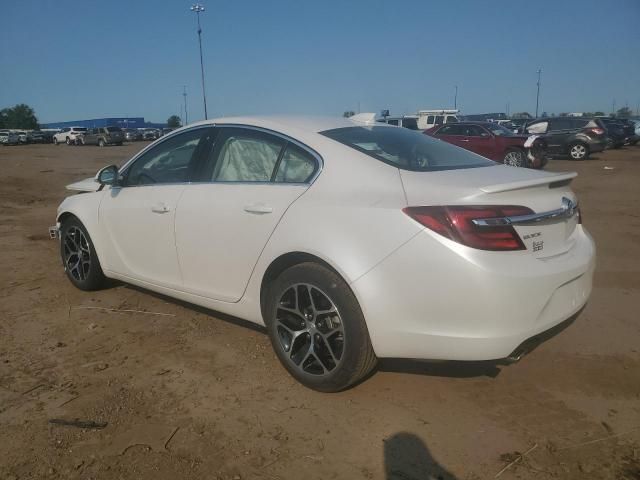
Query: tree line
(21, 117)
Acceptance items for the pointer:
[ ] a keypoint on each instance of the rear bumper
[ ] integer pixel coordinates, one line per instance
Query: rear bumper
(597, 146)
(457, 303)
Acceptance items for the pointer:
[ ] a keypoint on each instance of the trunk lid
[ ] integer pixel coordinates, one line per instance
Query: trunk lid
(501, 185)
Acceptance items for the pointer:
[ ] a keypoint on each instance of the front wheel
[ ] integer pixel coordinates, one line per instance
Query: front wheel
(68, 140)
(101, 143)
(79, 257)
(317, 328)
(579, 151)
(55, 141)
(515, 158)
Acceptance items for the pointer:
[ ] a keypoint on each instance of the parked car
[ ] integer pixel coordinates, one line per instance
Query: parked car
(37, 137)
(406, 121)
(165, 131)
(629, 126)
(23, 136)
(132, 135)
(616, 134)
(352, 240)
(430, 118)
(576, 137)
(8, 137)
(518, 124)
(69, 135)
(150, 134)
(490, 140)
(103, 136)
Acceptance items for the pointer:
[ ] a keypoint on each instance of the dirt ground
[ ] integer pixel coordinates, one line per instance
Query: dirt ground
(195, 394)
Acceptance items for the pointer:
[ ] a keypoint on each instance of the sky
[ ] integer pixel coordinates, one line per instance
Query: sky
(73, 60)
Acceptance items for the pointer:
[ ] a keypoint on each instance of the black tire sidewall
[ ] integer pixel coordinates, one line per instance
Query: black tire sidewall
(357, 345)
(95, 279)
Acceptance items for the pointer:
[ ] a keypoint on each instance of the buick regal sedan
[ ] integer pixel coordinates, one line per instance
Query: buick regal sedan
(347, 239)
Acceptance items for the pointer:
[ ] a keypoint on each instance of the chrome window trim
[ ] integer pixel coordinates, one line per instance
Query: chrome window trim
(568, 210)
(286, 138)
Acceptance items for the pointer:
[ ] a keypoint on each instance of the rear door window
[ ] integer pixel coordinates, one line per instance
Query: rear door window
(296, 165)
(439, 119)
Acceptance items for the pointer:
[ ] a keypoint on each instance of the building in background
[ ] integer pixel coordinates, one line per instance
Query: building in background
(123, 122)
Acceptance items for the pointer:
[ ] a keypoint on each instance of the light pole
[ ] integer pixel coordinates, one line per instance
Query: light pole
(455, 99)
(196, 7)
(186, 115)
(538, 94)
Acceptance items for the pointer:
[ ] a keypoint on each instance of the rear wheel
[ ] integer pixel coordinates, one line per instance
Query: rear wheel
(317, 328)
(578, 151)
(55, 141)
(79, 257)
(68, 140)
(515, 158)
(101, 143)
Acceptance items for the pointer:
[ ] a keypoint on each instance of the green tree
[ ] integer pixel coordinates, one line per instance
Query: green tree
(598, 114)
(348, 113)
(20, 116)
(624, 112)
(174, 121)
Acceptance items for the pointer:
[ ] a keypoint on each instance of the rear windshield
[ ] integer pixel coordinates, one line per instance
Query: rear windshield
(114, 129)
(406, 149)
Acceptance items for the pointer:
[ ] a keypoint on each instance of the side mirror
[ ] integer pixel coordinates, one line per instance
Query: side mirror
(108, 176)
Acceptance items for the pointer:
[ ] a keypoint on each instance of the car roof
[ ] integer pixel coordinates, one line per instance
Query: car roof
(285, 123)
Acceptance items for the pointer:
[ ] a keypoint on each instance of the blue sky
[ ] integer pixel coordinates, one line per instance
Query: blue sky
(83, 59)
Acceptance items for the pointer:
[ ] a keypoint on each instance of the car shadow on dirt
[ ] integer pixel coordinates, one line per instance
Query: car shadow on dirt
(406, 456)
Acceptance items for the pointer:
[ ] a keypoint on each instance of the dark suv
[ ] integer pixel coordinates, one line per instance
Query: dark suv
(619, 131)
(573, 136)
(103, 136)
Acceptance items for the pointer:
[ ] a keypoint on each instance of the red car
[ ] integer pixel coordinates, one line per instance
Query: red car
(492, 141)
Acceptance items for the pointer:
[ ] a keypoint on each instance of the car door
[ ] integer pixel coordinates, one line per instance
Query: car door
(223, 222)
(138, 217)
(558, 131)
(480, 141)
(450, 134)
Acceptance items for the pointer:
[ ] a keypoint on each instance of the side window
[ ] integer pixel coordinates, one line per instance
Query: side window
(540, 127)
(244, 155)
(393, 122)
(431, 119)
(410, 123)
(172, 161)
(439, 120)
(451, 130)
(296, 166)
(474, 131)
(451, 119)
(559, 124)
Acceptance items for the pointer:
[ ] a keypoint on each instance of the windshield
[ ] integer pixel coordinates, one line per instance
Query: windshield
(406, 149)
(499, 130)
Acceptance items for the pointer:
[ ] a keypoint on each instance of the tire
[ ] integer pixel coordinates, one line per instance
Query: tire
(79, 257)
(55, 141)
(101, 143)
(68, 140)
(578, 151)
(317, 328)
(515, 158)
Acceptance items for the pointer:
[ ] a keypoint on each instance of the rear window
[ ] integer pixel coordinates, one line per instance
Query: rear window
(406, 149)
(114, 129)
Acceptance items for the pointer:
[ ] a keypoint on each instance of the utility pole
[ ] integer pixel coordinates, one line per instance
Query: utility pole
(199, 9)
(538, 94)
(613, 107)
(455, 99)
(184, 95)
(507, 108)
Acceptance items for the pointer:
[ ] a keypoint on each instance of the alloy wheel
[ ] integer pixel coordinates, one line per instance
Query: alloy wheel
(309, 329)
(578, 152)
(513, 159)
(77, 254)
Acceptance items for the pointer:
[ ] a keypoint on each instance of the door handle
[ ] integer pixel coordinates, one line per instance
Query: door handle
(160, 208)
(258, 208)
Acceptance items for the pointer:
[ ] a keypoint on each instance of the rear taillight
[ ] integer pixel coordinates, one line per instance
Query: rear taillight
(596, 131)
(456, 223)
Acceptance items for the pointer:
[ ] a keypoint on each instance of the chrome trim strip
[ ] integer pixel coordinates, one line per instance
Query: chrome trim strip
(567, 210)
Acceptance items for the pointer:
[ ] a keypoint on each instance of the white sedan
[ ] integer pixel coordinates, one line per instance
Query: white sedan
(349, 240)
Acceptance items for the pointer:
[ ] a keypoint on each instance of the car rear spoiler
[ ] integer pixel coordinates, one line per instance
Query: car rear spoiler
(551, 180)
